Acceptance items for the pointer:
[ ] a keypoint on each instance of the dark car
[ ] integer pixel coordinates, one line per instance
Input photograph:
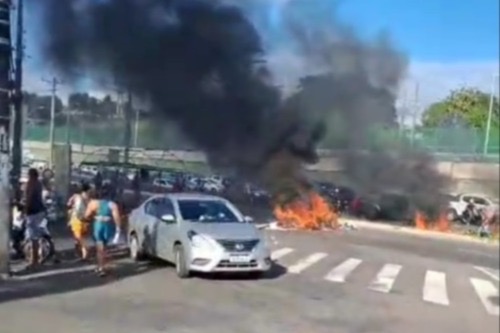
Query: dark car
(384, 206)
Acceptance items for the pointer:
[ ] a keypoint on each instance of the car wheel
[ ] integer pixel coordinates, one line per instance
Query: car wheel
(136, 253)
(46, 249)
(28, 253)
(180, 262)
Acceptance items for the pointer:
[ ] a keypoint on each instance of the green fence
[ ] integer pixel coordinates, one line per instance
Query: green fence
(461, 143)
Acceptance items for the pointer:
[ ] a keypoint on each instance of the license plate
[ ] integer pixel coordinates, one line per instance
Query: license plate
(239, 259)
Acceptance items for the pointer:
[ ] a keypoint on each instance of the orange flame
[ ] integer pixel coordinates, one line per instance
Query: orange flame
(309, 213)
(441, 224)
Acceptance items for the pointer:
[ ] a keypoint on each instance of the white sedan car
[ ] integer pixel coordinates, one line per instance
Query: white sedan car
(198, 233)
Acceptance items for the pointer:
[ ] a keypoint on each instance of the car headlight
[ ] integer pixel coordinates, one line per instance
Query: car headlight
(199, 241)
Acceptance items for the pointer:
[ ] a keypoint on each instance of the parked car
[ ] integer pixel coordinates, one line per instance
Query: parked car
(163, 184)
(198, 233)
(388, 206)
(340, 197)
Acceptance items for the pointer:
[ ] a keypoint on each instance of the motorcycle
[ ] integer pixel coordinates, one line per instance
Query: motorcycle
(23, 247)
(471, 216)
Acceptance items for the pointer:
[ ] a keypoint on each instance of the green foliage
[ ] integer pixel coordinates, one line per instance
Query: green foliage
(467, 107)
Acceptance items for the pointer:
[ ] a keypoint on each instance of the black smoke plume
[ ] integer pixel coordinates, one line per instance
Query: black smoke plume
(202, 64)
(199, 63)
(358, 83)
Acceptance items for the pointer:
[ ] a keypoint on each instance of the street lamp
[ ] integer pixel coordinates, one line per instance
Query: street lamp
(490, 114)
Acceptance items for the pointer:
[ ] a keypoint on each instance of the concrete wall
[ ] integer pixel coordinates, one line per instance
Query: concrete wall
(467, 177)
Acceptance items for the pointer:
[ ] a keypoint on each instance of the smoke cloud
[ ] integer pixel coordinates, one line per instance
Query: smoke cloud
(202, 64)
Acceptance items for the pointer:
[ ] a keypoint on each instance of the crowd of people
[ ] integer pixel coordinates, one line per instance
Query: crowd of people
(91, 212)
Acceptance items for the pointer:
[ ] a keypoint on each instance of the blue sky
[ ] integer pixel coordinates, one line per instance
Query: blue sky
(456, 42)
(433, 30)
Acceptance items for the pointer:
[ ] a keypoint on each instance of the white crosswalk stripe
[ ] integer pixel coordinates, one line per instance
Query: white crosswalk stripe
(435, 288)
(306, 262)
(492, 273)
(486, 292)
(340, 273)
(385, 278)
(275, 255)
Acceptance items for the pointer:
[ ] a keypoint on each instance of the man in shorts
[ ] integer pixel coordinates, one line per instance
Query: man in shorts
(35, 212)
(106, 221)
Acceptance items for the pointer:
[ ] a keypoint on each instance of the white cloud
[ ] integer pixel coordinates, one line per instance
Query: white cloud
(35, 81)
(436, 80)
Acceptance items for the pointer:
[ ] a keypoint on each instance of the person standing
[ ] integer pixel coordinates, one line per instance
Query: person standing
(34, 210)
(79, 228)
(104, 214)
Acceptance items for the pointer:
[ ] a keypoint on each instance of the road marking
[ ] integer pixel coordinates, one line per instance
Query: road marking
(486, 292)
(492, 273)
(81, 269)
(281, 253)
(306, 262)
(385, 278)
(435, 288)
(340, 273)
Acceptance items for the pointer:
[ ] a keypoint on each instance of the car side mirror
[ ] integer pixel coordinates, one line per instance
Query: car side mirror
(247, 219)
(168, 218)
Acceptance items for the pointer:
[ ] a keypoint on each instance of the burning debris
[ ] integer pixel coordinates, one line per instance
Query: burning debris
(308, 212)
(423, 222)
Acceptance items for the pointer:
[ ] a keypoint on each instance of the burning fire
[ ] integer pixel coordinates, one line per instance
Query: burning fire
(311, 212)
(441, 224)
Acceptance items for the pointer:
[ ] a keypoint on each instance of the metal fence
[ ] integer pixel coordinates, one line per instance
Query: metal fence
(455, 144)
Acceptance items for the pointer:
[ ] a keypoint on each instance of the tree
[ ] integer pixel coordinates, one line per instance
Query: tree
(468, 107)
(84, 104)
(39, 106)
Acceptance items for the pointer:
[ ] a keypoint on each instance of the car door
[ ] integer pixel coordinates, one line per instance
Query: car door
(150, 226)
(166, 230)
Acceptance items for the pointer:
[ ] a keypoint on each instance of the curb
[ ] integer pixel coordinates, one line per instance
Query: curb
(359, 225)
(420, 233)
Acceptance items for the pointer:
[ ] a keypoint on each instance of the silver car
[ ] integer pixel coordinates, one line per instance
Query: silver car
(198, 233)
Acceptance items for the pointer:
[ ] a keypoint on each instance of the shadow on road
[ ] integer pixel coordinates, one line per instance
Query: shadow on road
(67, 276)
(495, 300)
(275, 272)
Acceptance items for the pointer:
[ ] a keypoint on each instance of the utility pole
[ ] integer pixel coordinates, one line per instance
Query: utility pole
(414, 114)
(17, 135)
(128, 127)
(136, 127)
(5, 113)
(54, 83)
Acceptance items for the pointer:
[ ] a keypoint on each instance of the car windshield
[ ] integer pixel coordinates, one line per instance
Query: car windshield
(206, 211)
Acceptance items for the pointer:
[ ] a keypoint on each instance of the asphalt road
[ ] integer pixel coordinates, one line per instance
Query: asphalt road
(349, 281)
